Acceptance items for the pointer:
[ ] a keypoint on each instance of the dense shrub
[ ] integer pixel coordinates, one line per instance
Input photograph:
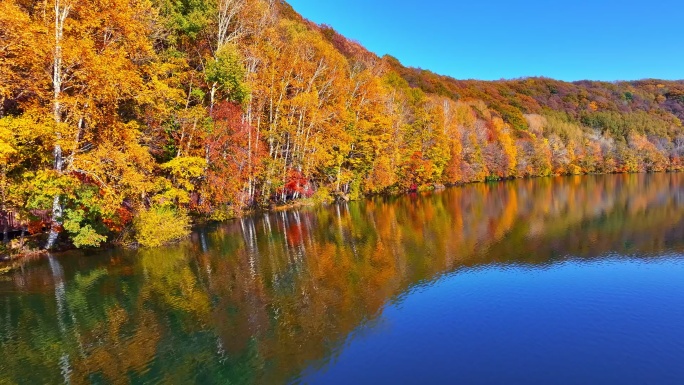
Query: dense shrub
(161, 225)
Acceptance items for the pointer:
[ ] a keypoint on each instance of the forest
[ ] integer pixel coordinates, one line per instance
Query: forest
(125, 121)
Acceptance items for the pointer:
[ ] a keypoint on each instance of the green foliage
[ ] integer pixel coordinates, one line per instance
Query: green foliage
(558, 123)
(160, 225)
(82, 234)
(187, 18)
(40, 187)
(83, 217)
(511, 115)
(226, 70)
(355, 190)
(619, 125)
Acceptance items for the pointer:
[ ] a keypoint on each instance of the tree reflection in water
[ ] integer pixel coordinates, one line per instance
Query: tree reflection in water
(260, 299)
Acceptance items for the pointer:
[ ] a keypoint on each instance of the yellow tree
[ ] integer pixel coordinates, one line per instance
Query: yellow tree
(96, 54)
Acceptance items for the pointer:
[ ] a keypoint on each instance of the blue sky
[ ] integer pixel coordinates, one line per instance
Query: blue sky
(495, 39)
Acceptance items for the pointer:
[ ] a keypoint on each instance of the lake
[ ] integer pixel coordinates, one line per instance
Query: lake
(568, 280)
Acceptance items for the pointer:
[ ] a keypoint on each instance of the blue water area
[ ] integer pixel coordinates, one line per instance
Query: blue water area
(576, 280)
(614, 321)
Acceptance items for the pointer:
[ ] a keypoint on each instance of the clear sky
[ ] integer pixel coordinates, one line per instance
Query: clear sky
(495, 39)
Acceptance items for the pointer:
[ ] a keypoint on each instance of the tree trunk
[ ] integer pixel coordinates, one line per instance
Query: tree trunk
(228, 11)
(61, 13)
(207, 158)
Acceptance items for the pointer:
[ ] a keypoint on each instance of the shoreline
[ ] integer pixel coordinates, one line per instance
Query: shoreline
(10, 261)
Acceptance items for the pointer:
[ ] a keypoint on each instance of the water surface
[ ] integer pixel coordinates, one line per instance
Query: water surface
(571, 280)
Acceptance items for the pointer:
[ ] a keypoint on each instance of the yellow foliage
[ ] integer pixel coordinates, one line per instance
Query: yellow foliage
(160, 225)
(184, 169)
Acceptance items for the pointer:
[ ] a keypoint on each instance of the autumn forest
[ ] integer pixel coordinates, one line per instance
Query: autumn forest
(124, 121)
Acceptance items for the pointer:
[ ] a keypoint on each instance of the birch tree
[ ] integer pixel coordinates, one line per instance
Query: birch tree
(62, 8)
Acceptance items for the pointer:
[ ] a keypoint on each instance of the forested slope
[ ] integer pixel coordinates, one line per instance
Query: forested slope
(123, 118)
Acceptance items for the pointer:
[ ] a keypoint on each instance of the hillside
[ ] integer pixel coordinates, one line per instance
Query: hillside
(514, 98)
(124, 118)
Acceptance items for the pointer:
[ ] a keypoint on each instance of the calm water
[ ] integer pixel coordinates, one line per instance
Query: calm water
(553, 281)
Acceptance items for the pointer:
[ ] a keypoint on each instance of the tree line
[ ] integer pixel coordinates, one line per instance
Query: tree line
(125, 119)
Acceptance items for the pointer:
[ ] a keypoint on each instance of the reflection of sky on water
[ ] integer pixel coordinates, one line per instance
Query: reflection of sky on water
(615, 320)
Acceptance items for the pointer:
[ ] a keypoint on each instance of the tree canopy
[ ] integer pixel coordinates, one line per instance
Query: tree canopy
(115, 110)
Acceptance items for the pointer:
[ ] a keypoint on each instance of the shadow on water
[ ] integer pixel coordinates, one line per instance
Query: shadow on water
(259, 300)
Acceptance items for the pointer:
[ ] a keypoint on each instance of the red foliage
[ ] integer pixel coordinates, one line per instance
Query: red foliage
(37, 226)
(418, 172)
(233, 150)
(296, 182)
(122, 218)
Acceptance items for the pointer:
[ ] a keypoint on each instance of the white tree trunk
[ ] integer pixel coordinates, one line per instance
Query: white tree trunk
(61, 14)
(228, 11)
(5, 233)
